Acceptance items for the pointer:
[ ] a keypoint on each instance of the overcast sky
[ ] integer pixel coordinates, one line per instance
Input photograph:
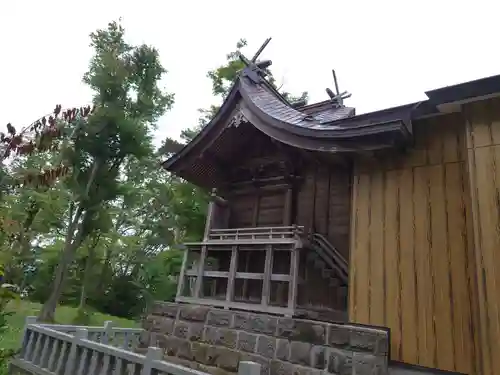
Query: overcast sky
(385, 52)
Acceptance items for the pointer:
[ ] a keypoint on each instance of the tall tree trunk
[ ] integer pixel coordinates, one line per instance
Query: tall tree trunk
(74, 238)
(47, 313)
(87, 275)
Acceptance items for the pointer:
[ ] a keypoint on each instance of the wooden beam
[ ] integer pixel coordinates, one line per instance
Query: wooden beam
(232, 274)
(245, 241)
(287, 212)
(255, 214)
(237, 305)
(201, 267)
(294, 275)
(253, 190)
(241, 275)
(182, 274)
(244, 289)
(209, 219)
(268, 270)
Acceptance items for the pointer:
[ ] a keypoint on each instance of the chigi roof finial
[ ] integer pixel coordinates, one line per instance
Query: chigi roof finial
(337, 98)
(256, 70)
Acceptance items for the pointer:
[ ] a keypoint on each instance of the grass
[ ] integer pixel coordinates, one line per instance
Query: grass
(11, 339)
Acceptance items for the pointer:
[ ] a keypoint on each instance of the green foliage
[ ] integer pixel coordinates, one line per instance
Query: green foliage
(64, 315)
(6, 296)
(105, 236)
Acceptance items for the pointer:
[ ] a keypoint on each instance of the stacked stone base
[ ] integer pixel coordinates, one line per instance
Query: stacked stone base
(216, 340)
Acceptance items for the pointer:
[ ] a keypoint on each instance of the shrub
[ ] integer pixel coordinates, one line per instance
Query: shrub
(7, 294)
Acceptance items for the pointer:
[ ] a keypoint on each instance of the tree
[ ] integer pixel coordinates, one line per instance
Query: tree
(128, 101)
(85, 205)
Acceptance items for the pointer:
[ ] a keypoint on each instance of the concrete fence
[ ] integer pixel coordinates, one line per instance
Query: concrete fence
(72, 350)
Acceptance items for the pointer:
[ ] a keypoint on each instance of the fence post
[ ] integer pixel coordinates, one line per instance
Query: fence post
(81, 333)
(153, 354)
(107, 332)
(24, 337)
(249, 368)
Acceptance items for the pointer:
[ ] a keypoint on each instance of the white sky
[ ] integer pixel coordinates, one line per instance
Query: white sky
(385, 52)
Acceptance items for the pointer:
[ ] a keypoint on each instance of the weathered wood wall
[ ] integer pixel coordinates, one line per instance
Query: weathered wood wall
(323, 202)
(258, 209)
(483, 157)
(412, 254)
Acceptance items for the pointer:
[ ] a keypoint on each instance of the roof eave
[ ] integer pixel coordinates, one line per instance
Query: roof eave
(224, 110)
(450, 98)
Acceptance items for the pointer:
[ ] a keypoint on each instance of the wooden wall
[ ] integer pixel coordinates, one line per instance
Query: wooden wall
(412, 254)
(483, 151)
(323, 203)
(258, 209)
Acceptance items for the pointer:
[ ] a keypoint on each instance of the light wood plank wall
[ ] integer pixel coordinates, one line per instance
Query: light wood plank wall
(412, 249)
(483, 157)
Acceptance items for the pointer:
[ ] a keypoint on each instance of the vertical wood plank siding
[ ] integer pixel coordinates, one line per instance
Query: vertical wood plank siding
(412, 259)
(323, 204)
(483, 159)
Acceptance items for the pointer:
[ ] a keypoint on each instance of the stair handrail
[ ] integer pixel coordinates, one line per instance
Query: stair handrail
(323, 255)
(321, 241)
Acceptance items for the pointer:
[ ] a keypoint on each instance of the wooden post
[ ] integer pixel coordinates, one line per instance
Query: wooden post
(44, 356)
(232, 274)
(201, 269)
(255, 213)
(24, 343)
(107, 332)
(182, 274)
(268, 270)
(249, 368)
(80, 334)
(244, 288)
(294, 275)
(287, 212)
(153, 354)
(217, 214)
(54, 354)
(209, 220)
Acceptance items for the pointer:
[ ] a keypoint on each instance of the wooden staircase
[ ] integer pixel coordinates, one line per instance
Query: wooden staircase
(326, 272)
(328, 257)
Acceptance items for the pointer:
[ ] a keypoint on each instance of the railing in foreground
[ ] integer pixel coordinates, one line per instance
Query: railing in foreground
(46, 350)
(124, 338)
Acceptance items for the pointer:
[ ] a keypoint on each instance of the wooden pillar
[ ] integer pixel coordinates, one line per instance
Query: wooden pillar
(244, 289)
(287, 212)
(294, 278)
(255, 214)
(312, 218)
(268, 270)
(182, 274)
(232, 274)
(217, 214)
(483, 161)
(210, 214)
(201, 269)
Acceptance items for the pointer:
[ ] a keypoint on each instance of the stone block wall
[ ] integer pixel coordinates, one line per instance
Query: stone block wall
(218, 339)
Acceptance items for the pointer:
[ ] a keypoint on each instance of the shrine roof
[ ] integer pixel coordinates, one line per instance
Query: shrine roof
(327, 127)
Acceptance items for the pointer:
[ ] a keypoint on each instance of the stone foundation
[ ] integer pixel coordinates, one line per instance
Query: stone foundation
(217, 340)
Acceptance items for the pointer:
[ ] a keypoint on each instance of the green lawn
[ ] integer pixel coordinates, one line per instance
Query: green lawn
(64, 315)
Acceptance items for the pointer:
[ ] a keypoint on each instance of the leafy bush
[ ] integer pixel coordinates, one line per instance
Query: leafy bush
(7, 294)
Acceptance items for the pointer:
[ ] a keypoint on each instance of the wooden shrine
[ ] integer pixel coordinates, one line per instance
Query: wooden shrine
(388, 218)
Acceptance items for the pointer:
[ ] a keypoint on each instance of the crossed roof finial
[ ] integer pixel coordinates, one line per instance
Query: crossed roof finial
(256, 70)
(338, 97)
